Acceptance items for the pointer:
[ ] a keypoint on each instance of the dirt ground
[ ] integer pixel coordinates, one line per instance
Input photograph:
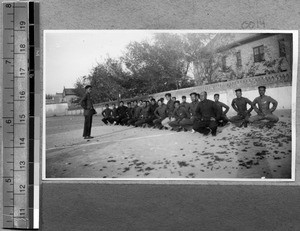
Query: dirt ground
(129, 152)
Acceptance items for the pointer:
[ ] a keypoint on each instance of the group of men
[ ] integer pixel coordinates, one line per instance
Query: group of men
(201, 115)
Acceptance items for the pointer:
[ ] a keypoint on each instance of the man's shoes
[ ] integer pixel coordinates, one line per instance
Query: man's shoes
(245, 124)
(214, 133)
(185, 130)
(206, 132)
(88, 137)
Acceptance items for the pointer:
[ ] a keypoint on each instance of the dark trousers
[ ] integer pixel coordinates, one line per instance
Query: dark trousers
(106, 120)
(119, 120)
(203, 125)
(223, 120)
(125, 120)
(87, 125)
(132, 121)
(140, 122)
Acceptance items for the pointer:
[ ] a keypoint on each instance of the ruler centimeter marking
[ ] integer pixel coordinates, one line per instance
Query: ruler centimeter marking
(20, 115)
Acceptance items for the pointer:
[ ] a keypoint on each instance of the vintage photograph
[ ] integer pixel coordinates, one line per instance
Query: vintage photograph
(169, 105)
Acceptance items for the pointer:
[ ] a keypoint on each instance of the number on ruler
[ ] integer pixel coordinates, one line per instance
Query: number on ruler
(22, 188)
(8, 121)
(22, 47)
(22, 212)
(22, 164)
(8, 5)
(22, 71)
(22, 141)
(7, 61)
(22, 118)
(22, 94)
(7, 180)
(22, 24)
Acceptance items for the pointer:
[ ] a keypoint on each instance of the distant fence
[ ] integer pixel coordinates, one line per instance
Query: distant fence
(278, 85)
(58, 109)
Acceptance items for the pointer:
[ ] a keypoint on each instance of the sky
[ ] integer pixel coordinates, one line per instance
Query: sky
(69, 55)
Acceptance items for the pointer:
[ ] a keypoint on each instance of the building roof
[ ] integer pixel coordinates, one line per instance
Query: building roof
(223, 42)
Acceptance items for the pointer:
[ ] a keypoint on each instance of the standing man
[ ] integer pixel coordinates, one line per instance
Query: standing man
(107, 115)
(223, 119)
(239, 104)
(87, 104)
(170, 109)
(207, 115)
(264, 112)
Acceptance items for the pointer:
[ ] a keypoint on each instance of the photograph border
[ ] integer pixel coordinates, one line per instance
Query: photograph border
(180, 180)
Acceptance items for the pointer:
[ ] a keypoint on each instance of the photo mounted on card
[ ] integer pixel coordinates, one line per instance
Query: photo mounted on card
(169, 105)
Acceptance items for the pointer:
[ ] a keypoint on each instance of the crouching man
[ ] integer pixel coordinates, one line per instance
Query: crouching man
(207, 115)
(264, 112)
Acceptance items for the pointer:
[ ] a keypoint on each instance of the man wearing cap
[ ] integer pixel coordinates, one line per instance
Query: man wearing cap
(264, 112)
(239, 104)
(207, 115)
(160, 114)
(180, 114)
(107, 115)
(87, 104)
(223, 119)
(170, 109)
(184, 103)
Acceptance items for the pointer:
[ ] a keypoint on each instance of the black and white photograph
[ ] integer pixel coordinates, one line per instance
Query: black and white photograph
(169, 105)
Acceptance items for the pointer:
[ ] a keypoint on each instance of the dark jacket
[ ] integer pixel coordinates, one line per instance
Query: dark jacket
(152, 109)
(207, 109)
(170, 107)
(180, 113)
(107, 113)
(121, 111)
(136, 112)
(192, 108)
(87, 104)
(161, 112)
(144, 113)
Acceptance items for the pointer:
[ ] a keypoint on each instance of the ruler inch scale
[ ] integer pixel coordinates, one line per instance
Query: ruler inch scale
(20, 117)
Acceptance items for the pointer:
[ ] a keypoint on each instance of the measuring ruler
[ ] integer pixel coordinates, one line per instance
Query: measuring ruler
(21, 115)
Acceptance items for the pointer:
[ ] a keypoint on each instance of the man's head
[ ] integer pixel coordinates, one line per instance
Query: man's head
(193, 96)
(152, 101)
(216, 97)
(128, 104)
(261, 90)
(174, 98)
(88, 88)
(203, 95)
(114, 105)
(197, 96)
(238, 93)
(135, 102)
(121, 103)
(144, 103)
(168, 96)
(159, 102)
(183, 98)
(106, 106)
(140, 103)
(162, 100)
(176, 104)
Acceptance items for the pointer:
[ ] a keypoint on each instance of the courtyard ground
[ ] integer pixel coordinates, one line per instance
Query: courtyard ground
(129, 152)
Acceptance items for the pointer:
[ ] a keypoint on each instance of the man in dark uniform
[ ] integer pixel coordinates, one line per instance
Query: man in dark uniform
(184, 103)
(170, 109)
(264, 112)
(187, 123)
(114, 114)
(128, 113)
(180, 114)
(160, 113)
(107, 115)
(152, 107)
(121, 111)
(223, 119)
(143, 115)
(136, 113)
(87, 104)
(239, 104)
(207, 115)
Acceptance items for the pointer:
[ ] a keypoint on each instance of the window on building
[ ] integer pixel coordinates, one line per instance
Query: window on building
(259, 54)
(224, 63)
(282, 51)
(238, 59)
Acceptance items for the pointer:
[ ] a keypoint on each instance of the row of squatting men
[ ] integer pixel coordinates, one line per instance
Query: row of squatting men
(201, 115)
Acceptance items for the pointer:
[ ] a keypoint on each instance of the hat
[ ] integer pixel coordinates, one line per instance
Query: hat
(238, 90)
(262, 87)
(87, 86)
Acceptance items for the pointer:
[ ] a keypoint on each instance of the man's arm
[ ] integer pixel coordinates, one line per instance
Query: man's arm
(254, 105)
(251, 105)
(83, 102)
(233, 105)
(274, 102)
(226, 108)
